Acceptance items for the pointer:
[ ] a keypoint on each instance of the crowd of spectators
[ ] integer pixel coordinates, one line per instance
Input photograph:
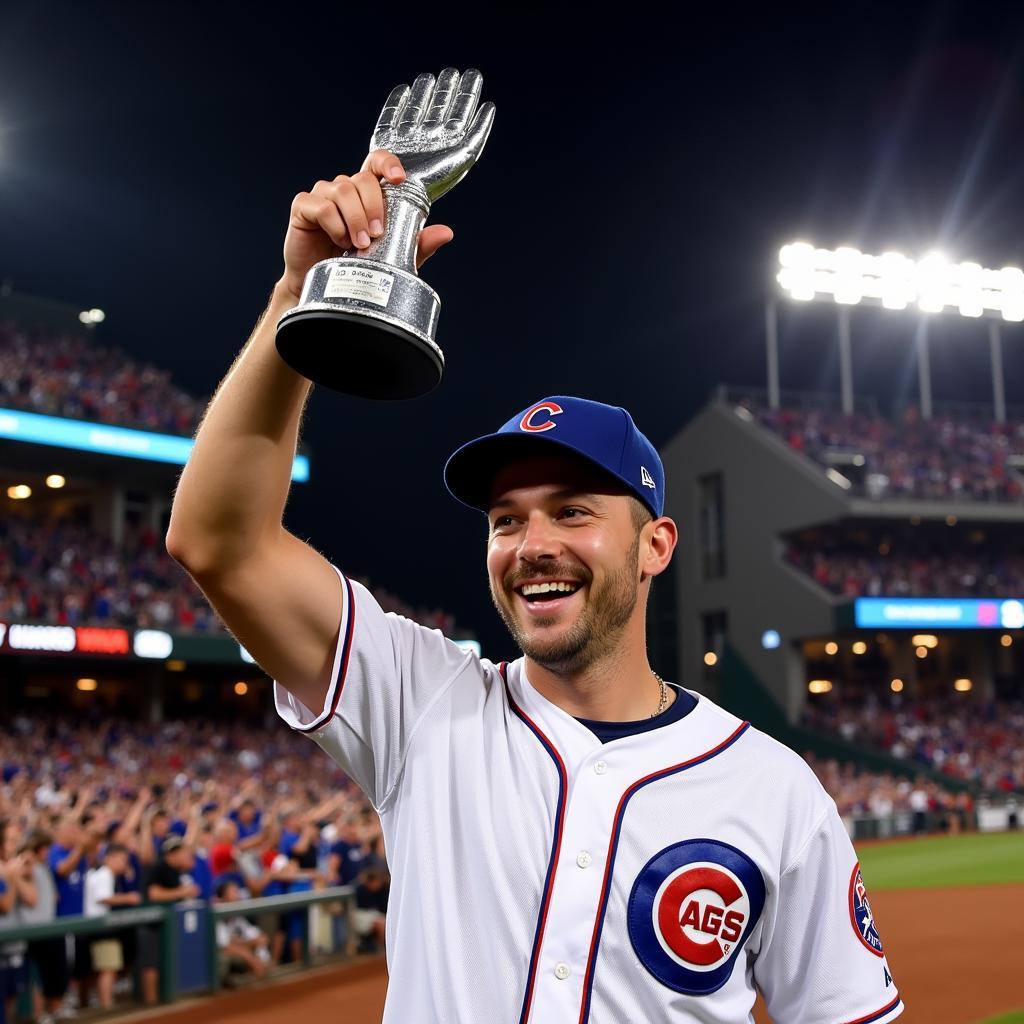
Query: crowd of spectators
(862, 793)
(111, 813)
(853, 572)
(65, 574)
(969, 740)
(69, 375)
(71, 575)
(947, 457)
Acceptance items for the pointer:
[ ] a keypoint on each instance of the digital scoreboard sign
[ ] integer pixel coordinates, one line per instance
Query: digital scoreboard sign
(938, 613)
(107, 440)
(108, 641)
(121, 644)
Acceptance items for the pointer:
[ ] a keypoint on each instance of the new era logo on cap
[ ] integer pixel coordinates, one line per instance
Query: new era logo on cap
(604, 435)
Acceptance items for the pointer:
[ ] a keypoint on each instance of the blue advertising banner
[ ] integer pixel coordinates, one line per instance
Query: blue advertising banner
(938, 613)
(98, 437)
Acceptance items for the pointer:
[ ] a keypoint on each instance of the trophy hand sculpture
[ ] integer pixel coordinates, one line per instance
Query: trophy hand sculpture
(365, 323)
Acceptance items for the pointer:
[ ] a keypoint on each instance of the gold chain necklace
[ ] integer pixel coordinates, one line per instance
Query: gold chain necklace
(664, 694)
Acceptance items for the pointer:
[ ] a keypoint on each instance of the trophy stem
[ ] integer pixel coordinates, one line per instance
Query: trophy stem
(406, 212)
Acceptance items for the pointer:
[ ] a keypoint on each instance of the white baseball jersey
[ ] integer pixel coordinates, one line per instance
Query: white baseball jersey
(541, 876)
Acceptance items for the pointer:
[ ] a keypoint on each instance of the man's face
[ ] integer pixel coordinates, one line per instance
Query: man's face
(226, 832)
(179, 858)
(562, 560)
(12, 840)
(69, 833)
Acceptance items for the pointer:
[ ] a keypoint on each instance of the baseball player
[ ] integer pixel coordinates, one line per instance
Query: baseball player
(570, 838)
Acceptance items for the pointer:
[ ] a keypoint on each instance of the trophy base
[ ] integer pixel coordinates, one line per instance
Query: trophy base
(364, 329)
(353, 354)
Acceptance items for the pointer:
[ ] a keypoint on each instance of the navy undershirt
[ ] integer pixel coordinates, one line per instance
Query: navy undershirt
(679, 709)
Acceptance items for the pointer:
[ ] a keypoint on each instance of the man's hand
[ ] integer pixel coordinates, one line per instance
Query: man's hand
(346, 213)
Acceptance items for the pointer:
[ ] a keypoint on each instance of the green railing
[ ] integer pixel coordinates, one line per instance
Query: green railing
(163, 917)
(115, 921)
(274, 904)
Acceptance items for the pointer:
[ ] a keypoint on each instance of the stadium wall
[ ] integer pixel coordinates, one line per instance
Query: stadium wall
(767, 489)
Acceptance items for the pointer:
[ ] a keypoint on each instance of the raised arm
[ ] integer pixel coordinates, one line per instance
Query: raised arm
(278, 596)
(24, 881)
(195, 820)
(128, 829)
(325, 808)
(146, 852)
(9, 896)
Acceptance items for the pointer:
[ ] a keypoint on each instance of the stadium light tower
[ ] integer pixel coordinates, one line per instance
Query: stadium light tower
(92, 317)
(850, 277)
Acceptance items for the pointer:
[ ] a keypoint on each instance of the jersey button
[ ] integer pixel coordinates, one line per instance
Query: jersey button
(601, 767)
(562, 971)
(583, 859)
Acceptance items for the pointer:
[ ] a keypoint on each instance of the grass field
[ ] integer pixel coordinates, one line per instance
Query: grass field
(945, 861)
(1017, 1017)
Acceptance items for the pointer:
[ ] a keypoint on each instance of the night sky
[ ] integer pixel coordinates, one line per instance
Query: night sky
(616, 240)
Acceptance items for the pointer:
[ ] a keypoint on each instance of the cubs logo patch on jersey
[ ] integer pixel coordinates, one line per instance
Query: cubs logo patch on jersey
(691, 909)
(860, 914)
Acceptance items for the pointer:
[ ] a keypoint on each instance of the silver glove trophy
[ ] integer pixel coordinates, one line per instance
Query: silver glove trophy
(365, 324)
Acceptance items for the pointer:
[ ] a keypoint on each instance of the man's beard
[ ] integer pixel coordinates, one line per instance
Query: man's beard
(593, 635)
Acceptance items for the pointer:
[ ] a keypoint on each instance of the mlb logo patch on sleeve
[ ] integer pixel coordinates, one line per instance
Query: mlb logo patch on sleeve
(691, 909)
(860, 914)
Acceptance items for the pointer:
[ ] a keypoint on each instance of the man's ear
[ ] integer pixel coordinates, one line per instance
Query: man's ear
(661, 536)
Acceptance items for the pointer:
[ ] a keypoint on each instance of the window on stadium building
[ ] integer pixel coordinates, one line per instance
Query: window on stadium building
(711, 520)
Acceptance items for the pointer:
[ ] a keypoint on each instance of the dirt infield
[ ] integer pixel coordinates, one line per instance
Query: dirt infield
(955, 954)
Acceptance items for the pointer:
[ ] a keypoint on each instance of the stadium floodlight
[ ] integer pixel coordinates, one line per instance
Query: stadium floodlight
(91, 317)
(933, 284)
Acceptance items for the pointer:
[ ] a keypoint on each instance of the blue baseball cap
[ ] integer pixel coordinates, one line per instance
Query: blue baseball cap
(604, 435)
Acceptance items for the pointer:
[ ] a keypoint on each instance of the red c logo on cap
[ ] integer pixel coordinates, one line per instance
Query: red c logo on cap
(551, 408)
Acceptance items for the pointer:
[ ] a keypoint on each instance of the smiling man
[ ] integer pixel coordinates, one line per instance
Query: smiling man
(570, 838)
(574, 494)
